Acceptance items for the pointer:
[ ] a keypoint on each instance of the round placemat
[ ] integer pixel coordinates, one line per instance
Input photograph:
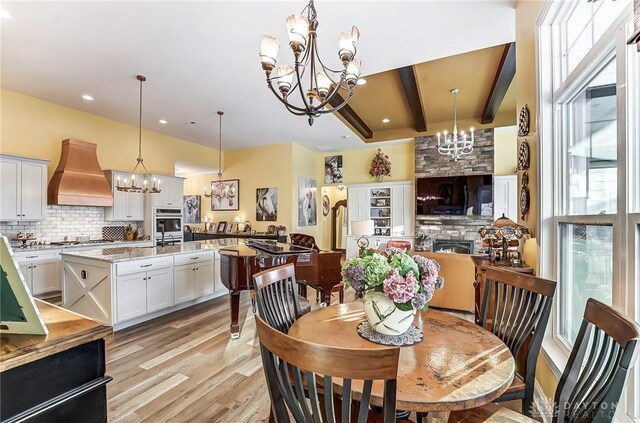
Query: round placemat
(412, 336)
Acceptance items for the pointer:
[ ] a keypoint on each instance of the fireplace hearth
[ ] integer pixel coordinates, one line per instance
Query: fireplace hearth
(454, 245)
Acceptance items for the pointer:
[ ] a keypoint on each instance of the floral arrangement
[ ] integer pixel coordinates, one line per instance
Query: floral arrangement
(281, 228)
(380, 165)
(407, 280)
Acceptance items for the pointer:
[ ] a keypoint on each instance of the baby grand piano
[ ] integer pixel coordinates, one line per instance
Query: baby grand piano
(238, 265)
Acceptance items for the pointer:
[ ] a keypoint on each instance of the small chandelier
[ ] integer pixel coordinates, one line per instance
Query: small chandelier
(324, 83)
(455, 145)
(150, 184)
(220, 190)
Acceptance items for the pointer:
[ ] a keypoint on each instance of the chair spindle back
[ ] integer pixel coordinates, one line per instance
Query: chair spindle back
(276, 296)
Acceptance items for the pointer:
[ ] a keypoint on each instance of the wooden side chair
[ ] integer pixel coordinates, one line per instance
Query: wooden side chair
(591, 384)
(300, 379)
(516, 308)
(277, 299)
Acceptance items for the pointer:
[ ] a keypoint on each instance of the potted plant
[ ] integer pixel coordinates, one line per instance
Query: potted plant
(380, 165)
(281, 229)
(394, 284)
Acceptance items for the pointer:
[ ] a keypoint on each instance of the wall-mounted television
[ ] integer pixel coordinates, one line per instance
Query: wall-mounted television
(455, 195)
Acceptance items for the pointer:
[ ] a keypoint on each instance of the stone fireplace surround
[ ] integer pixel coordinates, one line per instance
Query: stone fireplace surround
(431, 163)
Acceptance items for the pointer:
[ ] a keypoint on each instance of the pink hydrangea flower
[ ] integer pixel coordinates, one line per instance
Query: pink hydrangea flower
(399, 289)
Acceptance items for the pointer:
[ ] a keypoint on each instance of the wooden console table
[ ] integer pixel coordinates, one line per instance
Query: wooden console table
(483, 263)
(59, 377)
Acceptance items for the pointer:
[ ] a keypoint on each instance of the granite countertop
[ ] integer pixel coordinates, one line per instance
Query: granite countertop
(114, 255)
(17, 249)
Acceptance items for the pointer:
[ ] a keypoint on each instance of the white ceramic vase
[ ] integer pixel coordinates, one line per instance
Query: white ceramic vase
(384, 316)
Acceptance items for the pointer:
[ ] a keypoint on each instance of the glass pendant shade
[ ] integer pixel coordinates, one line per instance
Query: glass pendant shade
(347, 44)
(324, 84)
(269, 47)
(353, 72)
(285, 77)
(298, 30)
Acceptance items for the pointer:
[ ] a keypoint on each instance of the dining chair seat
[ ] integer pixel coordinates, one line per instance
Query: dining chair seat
(517, 385)
(490, 413)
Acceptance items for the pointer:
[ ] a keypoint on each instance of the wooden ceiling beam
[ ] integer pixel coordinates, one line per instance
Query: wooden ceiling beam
(502, 81)
(351, 117)
(410, 85)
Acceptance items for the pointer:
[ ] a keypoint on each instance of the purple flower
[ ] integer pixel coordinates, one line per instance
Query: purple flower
(439, 282)
(399, 289)
(428, 267)
(354, 273)
(389, 251)
(429, 287)
(419, 300)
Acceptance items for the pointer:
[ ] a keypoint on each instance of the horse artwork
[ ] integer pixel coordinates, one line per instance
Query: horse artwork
(307, 201)
(191, 209)
(333, 170)
(267, 204)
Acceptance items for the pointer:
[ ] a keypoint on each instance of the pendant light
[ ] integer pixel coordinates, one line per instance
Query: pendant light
(220, 190)
(140, 180)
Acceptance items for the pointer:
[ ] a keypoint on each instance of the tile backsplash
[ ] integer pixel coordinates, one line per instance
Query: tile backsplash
(61, 221)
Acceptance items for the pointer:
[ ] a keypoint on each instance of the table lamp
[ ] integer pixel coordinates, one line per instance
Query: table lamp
(504, 230)
(206, 220)
(364, 228)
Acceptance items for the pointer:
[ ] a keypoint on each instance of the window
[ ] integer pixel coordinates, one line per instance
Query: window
(589, 156)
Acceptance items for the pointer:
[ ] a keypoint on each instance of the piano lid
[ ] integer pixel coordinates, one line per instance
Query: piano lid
(256, 248)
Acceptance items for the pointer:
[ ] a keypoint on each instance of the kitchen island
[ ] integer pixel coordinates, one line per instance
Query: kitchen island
(121, 287)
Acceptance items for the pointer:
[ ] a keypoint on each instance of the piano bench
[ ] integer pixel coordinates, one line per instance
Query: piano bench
(339, 285)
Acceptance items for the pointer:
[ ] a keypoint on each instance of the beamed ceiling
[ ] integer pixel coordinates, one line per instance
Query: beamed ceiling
(417, 100)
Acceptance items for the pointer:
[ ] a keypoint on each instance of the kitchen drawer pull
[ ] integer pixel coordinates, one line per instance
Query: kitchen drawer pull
(32, 256)
(195, 258)
(146, 265)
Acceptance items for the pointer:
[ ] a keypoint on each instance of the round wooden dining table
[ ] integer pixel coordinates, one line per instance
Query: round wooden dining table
(458, 365)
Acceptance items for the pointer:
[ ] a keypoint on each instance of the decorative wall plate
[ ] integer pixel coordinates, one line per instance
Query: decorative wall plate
(326, 205)
(524, 197)
(523, 121)
(523, 155)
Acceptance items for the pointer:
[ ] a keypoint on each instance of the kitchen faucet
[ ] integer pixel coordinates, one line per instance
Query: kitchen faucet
(162, 230)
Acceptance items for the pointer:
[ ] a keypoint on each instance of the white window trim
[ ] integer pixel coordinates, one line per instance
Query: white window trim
(627, 240)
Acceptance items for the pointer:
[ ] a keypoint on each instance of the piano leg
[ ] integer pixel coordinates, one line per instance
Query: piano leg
(234, 302)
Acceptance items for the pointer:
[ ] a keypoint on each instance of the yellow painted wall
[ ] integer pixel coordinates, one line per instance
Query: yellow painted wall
(505, 150)
(546, 379)
(356, 163)
(259, 167)
(35, 128)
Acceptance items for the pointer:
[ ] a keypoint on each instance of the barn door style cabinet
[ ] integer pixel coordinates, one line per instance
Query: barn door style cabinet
(389, 205)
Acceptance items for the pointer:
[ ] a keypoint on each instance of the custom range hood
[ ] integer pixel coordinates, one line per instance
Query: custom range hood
(78, 180)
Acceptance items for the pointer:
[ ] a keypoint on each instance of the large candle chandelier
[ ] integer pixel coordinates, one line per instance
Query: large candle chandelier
(455, 144)
(140, 174)
(220, 190)
(324, 83)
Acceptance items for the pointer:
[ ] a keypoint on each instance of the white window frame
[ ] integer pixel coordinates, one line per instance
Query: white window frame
(626, 271)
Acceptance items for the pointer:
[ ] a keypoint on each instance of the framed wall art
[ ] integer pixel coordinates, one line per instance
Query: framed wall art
(333, 170)
(229, 203)
(191, 209)
(307, 201)
(266, 204)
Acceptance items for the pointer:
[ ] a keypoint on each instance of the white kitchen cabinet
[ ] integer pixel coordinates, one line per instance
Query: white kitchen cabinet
(131, 296)
(204, 279)
(23, 188)
(159, 289)
(505, 196)
(217, 281)
(171, 191)
(184, 282)
(127, 206)
(357, 204)
(41, 270)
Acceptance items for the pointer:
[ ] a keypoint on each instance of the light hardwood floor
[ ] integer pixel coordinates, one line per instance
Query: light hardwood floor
(184, 367)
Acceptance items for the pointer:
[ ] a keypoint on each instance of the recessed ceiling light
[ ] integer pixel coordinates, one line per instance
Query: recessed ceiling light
(346, 137)
(162, 121)
(4, 14)
(87, 97)
(386, 120)
(362, 81)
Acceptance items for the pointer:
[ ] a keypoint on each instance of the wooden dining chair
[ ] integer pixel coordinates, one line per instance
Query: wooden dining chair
(300, 378)
(276, 297)
(591, 384)
(516, 308)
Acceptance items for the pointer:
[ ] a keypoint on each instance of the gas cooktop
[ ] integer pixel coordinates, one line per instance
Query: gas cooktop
(90, 242)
